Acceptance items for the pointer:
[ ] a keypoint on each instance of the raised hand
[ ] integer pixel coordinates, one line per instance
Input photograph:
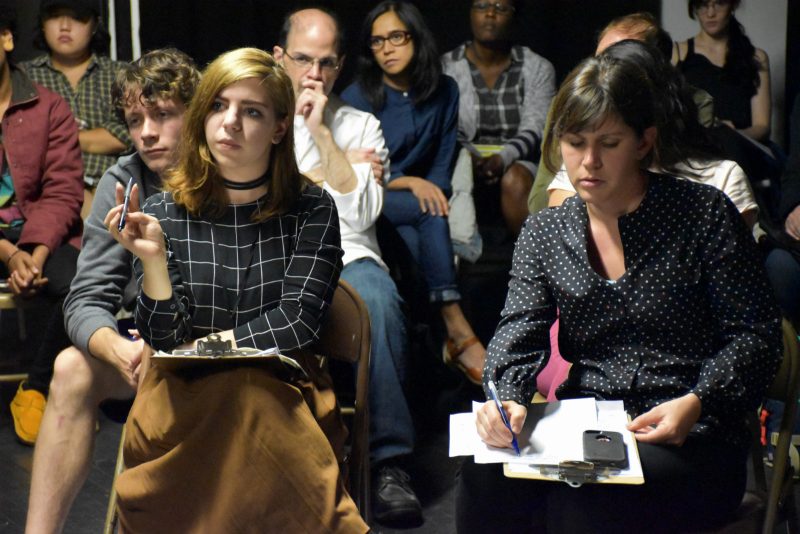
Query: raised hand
(142, 234)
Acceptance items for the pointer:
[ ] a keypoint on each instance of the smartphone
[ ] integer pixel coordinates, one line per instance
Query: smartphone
(605, 449)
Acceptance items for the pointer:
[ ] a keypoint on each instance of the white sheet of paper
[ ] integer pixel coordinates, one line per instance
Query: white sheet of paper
(553, 433)
(464, 438)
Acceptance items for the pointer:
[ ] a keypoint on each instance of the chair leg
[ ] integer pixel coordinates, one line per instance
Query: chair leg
(23, 330)
(111, 513)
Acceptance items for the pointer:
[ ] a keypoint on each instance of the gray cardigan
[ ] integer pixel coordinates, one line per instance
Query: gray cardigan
(104, 280)
(539, 77)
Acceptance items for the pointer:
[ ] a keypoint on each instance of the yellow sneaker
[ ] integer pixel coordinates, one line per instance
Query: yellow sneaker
(27, 409)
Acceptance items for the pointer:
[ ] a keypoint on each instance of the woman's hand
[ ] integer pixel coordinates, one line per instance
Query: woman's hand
(669, 422)
(431, 197)
(490, 425)
(142, 234)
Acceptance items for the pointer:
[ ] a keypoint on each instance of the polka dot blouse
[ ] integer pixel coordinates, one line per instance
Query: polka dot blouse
(692, 313)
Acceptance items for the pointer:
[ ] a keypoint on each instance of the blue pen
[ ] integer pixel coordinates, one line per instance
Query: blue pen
(496, 399)
(125, 204)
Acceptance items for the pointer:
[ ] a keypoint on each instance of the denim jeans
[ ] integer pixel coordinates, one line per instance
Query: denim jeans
(783, 271)
(428, 238)
(391, 431)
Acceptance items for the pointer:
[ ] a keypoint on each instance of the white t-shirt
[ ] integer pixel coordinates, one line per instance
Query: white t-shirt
(725, 175)
(360, 208)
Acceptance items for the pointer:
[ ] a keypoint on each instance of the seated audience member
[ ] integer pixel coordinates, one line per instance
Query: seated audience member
(692, 156)
(721, 60)
(151, 96)
(77, 67)
(335, 145)
(505, 91)
(400, 81)
(641, 26)
(236, 181)
(40, 205)
(783, 261)
(622, 262)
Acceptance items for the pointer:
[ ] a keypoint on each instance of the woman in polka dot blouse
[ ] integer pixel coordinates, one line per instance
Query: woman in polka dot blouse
(663, 303)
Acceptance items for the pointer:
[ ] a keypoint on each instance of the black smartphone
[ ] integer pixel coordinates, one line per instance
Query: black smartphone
(605, 449)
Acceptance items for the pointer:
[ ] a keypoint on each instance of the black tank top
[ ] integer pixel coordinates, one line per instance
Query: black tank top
(731, 97)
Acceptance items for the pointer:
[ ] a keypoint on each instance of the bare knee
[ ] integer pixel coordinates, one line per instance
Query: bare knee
(73, 376)
(517, 182)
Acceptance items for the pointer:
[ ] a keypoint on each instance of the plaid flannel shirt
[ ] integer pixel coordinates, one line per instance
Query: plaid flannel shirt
(90, 104)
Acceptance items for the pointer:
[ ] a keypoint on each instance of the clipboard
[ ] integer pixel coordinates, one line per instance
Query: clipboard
(579, 471)
(551, 443)
(213, 351)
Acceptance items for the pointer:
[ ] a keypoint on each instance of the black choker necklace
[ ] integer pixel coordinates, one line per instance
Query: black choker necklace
(241, 186)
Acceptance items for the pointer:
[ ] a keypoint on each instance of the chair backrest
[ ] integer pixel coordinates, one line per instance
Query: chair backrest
(346, 336)
(786, 388)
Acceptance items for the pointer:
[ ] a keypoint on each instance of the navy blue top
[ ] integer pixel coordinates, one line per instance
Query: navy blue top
(421, 138)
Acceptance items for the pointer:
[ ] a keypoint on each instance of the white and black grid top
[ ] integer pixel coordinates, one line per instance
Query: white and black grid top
(272, 281)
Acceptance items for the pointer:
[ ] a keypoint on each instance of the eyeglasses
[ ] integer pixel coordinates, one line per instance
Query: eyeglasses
(396, 38)
(328, 64)
(704, 7)
(503, 9)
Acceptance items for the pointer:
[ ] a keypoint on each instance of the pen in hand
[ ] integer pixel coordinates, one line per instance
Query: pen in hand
(125, 204)
(496, 399)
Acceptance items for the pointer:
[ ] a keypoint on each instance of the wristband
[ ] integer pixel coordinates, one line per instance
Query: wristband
(12, 254)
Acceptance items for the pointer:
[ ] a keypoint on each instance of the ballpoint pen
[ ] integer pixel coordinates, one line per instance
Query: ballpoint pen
(496, 399)
(125, 204)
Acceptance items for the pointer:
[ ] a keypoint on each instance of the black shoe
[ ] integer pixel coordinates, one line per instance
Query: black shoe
(393, 500)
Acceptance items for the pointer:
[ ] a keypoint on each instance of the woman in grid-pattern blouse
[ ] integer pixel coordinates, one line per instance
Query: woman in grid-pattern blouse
(663, 303)
(240, 244)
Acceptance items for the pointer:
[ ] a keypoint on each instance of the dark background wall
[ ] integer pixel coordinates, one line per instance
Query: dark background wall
(563, 31)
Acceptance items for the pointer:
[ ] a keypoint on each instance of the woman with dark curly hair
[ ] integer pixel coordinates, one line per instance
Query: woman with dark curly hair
(721, 60)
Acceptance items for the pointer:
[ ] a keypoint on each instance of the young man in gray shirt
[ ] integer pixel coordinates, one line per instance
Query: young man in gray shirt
(151, 95)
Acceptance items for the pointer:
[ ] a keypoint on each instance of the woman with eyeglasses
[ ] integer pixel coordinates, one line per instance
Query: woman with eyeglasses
(400, 81)
(721, 60)
(505, 93)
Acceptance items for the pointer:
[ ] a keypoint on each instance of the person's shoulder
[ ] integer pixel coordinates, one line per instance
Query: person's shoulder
(762, 58)
(107, 63)
(686, 192)
(448, 84)
(525, 54)
(314, 197)
(35, 63)
(446, 94)
(353, 97)
(454, 55)
(344, 109)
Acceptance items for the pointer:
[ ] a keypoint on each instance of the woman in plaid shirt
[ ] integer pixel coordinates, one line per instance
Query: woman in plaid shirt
(242, 245)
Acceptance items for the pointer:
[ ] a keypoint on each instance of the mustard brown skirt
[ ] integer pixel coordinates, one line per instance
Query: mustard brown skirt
(235, 450)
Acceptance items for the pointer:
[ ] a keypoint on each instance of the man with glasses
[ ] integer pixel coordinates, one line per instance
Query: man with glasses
(343, 150)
